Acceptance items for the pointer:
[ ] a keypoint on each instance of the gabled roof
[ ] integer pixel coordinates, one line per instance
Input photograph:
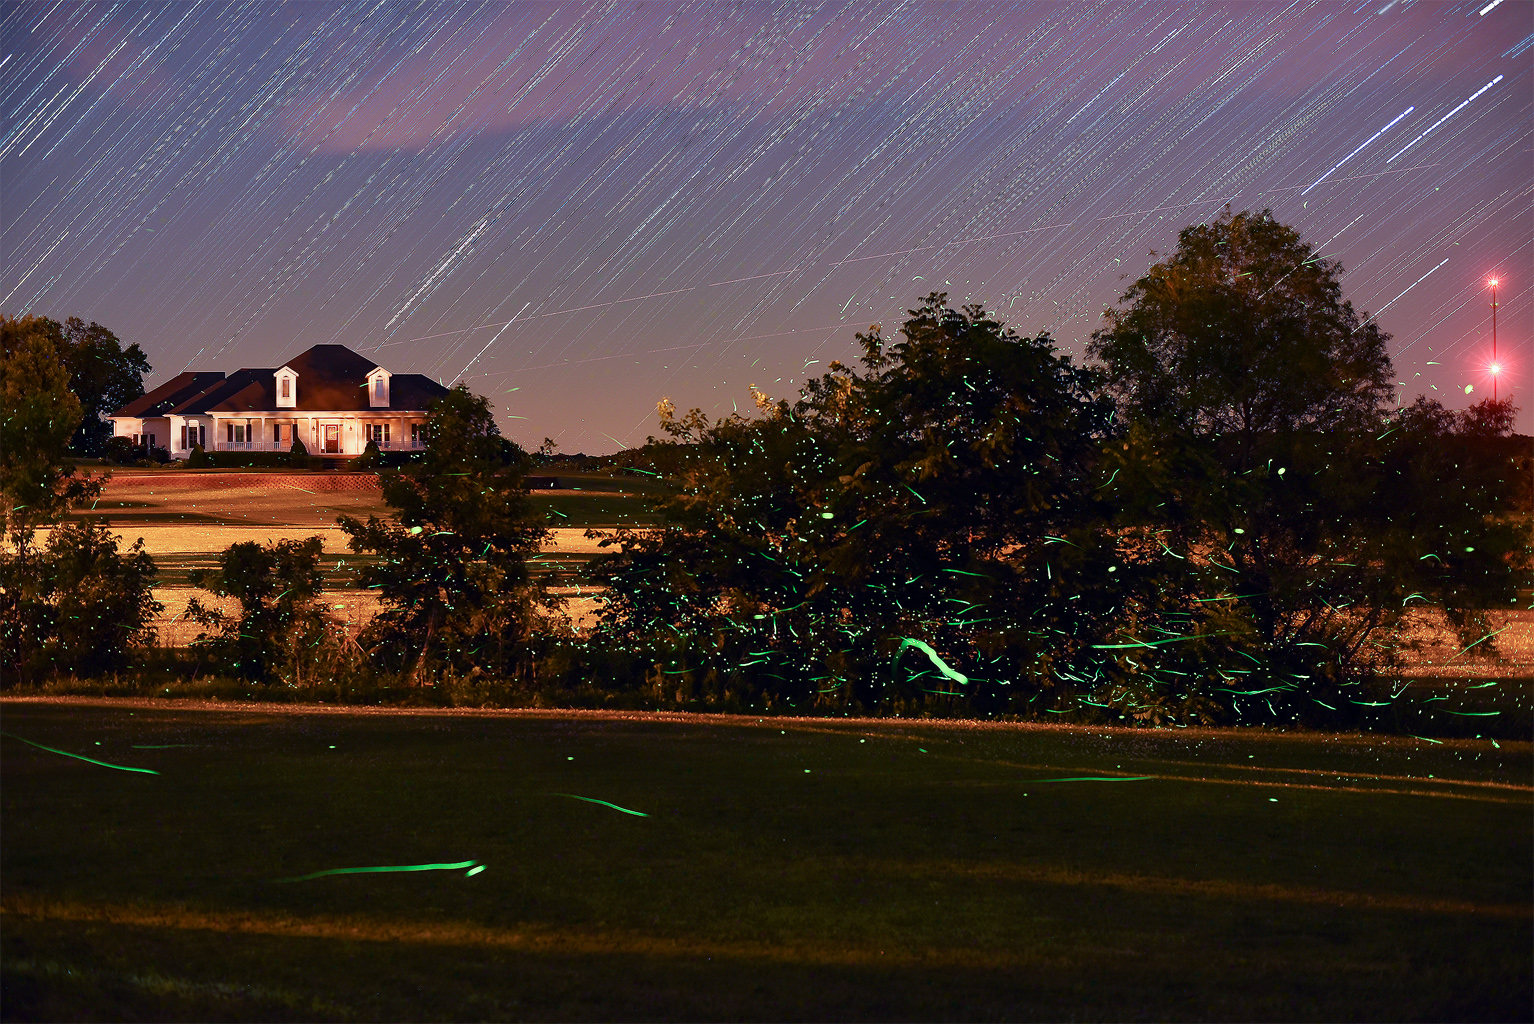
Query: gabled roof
(245, 391)
(170, 394)
(331, 378)
(220, 395)
(413, 391)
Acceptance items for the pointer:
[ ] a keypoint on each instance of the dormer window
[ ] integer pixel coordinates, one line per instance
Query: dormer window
(287, 388)
(378, 388)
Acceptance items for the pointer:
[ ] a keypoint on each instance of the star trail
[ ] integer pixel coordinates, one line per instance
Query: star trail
(578, 209)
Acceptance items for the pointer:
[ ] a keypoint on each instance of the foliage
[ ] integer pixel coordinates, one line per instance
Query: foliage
(921, 529)
(103, 603)
(370, 457)
(279, 625)
(298, 447)
(103, 375)
(122, 451)
(1280, 512)
(198, 458)
(452, 570)
(77, 606)
(38, 416)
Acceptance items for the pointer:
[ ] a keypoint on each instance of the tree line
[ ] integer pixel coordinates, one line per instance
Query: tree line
(1227, 516)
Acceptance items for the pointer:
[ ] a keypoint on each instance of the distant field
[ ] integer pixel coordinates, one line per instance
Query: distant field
(185, 525)
(787, 869)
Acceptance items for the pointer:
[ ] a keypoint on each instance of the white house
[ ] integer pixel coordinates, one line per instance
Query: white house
(331, 398)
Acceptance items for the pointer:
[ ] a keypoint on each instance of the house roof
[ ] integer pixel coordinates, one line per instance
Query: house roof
(172, 393)
(244, 391)
(331, 378)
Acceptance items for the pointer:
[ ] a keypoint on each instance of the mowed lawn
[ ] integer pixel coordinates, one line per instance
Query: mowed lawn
(803, 869)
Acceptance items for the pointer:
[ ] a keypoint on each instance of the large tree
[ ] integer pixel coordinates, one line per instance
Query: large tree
(452, 558)
(39, 414)
(75, 604)
(921, 528)
(103, 375)
(1288, 509)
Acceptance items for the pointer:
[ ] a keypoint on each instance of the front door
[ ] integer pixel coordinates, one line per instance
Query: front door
(332, 439)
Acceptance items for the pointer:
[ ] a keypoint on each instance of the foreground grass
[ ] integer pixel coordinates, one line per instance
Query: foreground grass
(783, 869)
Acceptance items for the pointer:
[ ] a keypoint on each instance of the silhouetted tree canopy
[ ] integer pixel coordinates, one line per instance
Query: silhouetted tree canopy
(39, 414)
(452, 569)
(75, 604)
(923, 526)
(1289, 517)
(103, 375)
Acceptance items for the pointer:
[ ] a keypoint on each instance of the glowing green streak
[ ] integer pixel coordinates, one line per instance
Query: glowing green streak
(932, 656)
(1488, 636)
(604, 803)
(82, 757)
(1098, 778)
(474, 864)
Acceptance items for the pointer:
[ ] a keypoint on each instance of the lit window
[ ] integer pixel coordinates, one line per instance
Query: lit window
(378, 389)
(286, 384)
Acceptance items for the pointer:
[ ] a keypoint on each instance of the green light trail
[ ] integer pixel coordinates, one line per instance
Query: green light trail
(604, 803)
(932, 656)
(1098, 778)
(81, 757)
(474, 866)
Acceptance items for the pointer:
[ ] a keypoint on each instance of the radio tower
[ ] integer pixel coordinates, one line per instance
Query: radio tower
(1496, 367)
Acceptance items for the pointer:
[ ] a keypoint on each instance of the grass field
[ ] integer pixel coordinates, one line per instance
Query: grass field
(782, 869)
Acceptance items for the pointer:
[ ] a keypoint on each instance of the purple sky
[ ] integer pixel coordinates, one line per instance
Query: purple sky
(684, 200)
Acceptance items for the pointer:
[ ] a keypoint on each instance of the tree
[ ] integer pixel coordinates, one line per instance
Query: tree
(919, 529)
(76, 604)
(452, 570)
(1281, 504)
(38, 417)
(276, 587)
(103, 375)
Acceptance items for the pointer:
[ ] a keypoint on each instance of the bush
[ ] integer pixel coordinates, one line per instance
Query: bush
(103, 603)
(121, 450)
(198, 459)
(281, 627)
(370, 457)
(298, 449)
(76, 607)
(260, 460)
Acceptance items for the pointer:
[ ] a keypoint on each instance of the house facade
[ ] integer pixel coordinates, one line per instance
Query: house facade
(329, 397)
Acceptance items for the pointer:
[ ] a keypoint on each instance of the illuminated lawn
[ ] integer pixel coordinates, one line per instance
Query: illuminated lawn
(774, 870)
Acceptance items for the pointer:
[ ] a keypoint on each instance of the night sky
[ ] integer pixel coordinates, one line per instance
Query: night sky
(685, 200)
